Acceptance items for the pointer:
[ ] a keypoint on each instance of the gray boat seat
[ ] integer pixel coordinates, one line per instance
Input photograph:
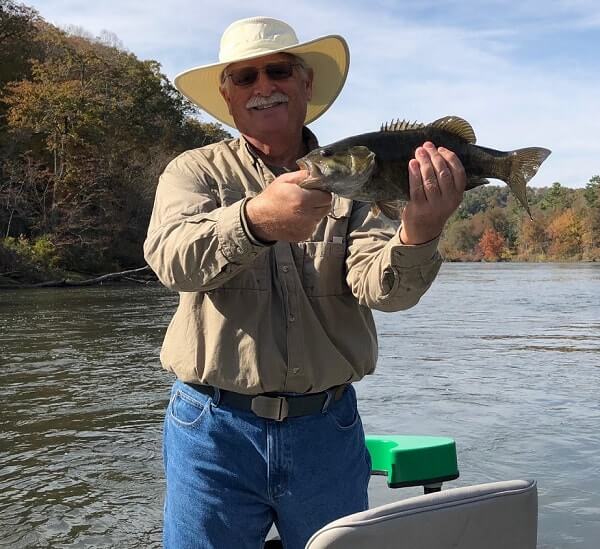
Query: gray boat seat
(496, 515)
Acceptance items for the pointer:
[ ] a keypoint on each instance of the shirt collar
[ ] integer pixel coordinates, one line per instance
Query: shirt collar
(309, 138)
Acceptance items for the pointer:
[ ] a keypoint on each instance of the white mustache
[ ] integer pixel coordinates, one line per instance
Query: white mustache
(259, 101)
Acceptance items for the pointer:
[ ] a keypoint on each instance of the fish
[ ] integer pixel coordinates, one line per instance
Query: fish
(373, 167)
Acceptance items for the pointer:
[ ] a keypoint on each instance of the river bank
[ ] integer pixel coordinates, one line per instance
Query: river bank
(145, 276)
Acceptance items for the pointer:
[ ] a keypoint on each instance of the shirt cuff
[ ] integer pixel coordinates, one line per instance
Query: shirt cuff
(411, 255)
(234, 242)
(255, 240)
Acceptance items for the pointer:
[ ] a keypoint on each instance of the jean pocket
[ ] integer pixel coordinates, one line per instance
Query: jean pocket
(186, 410)
(344, 413)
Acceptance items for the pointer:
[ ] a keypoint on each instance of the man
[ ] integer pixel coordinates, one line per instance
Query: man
(276, 285)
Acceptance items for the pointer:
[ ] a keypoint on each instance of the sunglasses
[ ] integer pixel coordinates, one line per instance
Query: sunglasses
(275, 71)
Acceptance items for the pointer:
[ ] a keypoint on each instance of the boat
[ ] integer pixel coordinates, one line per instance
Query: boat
(494, 515)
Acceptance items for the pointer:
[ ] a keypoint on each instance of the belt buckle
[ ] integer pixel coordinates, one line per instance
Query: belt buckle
(276, 408)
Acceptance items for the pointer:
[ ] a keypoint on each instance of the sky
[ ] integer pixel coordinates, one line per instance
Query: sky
(523, 74)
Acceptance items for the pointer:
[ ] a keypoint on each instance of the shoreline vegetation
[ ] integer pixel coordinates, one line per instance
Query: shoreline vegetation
(141, 275)
(86, 128)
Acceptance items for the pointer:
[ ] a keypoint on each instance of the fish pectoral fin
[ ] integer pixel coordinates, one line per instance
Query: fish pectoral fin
(456, 126)
(392, 209)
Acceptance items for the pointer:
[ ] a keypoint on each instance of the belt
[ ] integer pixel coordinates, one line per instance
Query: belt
(274, 406)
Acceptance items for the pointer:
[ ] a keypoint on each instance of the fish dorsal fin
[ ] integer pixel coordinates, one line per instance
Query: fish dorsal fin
(457, 126)
(400, 126)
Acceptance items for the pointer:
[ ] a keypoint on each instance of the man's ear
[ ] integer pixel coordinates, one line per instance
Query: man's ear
(225, 95)
(309, 83)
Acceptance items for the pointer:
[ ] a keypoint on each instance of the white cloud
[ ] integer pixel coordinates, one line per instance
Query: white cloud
(506, 68)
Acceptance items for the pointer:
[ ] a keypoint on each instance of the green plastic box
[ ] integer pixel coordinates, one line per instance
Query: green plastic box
(409, 460)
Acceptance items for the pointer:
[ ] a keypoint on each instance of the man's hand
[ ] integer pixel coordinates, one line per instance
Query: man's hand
(285, 211)
(437, 181)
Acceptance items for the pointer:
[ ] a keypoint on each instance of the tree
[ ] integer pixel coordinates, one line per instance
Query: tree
(591, 239)
(18, 45)
(566, 235)
(492, 245)
(89, 129)
(557, 198)
(592, 192)
(497, 219)
(482, 198)
(17, 40)
(459, 241)
(532, 240)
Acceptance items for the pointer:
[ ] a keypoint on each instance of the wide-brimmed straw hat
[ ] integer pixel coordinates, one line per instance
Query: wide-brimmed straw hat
(254, 37)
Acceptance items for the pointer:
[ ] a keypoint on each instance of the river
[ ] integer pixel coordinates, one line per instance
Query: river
(504, 358)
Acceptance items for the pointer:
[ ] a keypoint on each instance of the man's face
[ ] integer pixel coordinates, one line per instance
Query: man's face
(267, 106)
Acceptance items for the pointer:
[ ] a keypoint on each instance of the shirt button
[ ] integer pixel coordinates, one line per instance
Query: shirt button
(285, 269)
(295, 370)
(291, 318)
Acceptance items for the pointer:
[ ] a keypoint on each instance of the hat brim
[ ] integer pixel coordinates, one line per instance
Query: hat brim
(328, 57)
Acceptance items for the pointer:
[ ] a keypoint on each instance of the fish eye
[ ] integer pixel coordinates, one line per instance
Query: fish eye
(326, 153)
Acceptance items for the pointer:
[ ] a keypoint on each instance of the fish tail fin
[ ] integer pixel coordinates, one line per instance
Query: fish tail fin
(524, 164)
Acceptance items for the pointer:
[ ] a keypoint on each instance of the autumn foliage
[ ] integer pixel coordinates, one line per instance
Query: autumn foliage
(491, 245)
(490, 226)
(85, 130)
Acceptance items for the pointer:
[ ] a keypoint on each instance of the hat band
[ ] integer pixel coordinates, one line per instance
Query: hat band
(263, 47)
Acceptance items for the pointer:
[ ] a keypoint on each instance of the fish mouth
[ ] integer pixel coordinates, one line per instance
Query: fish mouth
(314, 172)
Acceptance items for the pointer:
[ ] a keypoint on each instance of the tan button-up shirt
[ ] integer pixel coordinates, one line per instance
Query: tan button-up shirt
(286, 317)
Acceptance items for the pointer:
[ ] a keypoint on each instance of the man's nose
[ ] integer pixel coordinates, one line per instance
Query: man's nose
(263, 85)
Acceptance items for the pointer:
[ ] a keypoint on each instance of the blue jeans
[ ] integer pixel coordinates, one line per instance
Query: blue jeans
(231, 475)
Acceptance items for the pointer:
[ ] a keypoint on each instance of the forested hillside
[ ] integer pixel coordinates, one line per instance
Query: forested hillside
(85, 130)
(491, 226)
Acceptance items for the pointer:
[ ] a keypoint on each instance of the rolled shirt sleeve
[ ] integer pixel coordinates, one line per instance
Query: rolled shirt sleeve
(382, 272)
(193, 242)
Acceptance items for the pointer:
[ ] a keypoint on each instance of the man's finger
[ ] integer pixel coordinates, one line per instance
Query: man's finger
(428, 175)
(415, 181)
(294, 177)
(458, 171)
(443, 172)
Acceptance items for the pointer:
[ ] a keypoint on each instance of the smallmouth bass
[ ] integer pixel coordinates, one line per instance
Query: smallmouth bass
(373, 167)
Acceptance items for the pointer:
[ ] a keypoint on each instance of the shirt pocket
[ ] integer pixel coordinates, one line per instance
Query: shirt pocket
(324, 257)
